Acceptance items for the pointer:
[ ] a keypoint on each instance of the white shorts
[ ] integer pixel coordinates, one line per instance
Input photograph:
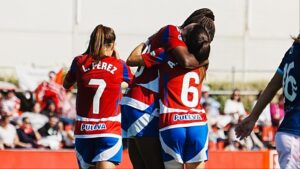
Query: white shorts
(288, 148)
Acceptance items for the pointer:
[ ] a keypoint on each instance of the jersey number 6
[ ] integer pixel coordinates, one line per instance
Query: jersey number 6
(186, 89)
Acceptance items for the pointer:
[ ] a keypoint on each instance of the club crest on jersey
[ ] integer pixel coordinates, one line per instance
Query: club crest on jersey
(187, 117)
(92, 127)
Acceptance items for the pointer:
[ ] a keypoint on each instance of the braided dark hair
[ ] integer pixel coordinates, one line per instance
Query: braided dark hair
(204, 17)
(198, 42)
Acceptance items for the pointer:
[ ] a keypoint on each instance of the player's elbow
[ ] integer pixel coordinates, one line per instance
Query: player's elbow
(134, 61)
(66, 84)
(188, 63)
(129, 61)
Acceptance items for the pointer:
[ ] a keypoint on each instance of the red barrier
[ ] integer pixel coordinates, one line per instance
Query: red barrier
(45, 159)
(239, 159)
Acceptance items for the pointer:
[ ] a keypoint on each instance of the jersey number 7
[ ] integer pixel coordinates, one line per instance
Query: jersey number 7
(96, 100)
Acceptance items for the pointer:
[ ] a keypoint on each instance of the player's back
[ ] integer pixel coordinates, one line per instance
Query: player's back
(180, 94)
(99, 93)
(289, 68)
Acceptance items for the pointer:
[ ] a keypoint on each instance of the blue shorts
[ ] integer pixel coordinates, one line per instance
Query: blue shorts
(137, 123)
(92, 150)
(185, 144)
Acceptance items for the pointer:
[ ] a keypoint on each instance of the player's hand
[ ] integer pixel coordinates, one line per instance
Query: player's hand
(245, 127)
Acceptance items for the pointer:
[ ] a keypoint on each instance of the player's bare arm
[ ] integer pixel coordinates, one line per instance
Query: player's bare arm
(67, 84)
(245, 127)
(135, 57)
(187, 59)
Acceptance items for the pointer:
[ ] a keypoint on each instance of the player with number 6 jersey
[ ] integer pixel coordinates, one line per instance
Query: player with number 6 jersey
(98, 74)
(182, 120)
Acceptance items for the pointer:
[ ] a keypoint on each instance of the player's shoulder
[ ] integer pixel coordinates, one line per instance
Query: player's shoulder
(115, 61)
(80, 58)
(172, 28)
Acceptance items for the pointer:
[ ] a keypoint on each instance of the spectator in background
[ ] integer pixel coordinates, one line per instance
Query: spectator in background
(277, 111)
(265, 131)
(50, 91)
(216, 136)
(37, 119)
(234, 107)
(68, 136)
(11, 104)
(68, 108)
(51, 135)
(27, 134)
(50, 109)
(27, 101)
(8, 134)
(253, 142)
(1, 102)
(213, 105)
(265, 117)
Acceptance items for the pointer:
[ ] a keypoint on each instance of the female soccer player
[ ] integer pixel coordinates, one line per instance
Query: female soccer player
(98, 74)
(288, 134)
(140, 104)
(183, 130)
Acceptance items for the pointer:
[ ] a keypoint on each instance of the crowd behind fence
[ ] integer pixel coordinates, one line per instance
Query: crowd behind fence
(44, 119)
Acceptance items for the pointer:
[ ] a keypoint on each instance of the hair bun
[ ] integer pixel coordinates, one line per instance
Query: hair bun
(210, 15)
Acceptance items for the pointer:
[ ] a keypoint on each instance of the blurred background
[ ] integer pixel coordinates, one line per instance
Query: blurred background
(39, 39)
(251, 35)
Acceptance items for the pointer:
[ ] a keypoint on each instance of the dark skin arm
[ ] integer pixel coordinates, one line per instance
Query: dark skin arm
(67, 84)
(181, 54)
(245, 127)
(186, 59)
(135, 57)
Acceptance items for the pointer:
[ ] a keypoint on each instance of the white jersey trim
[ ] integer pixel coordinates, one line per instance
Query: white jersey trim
(86, 119)
(82, 163)
(183, 125)
(201, 156)
(169, 151)
(139, 124)
(152, 85)
(134, 103)
(109, 153)
(98, 135)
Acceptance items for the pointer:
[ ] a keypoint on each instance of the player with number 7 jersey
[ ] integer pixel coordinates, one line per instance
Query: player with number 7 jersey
(99, 94)
(98, 74)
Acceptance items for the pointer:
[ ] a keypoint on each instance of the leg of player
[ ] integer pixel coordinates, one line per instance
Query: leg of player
(150, 150)
(288, 149)
(173, 164)
(197, 165)
(135, 155)
(105, 165)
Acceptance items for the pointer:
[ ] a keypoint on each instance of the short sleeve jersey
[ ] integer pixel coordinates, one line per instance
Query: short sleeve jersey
(98, 95)
(142, 93)
(289, 69)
